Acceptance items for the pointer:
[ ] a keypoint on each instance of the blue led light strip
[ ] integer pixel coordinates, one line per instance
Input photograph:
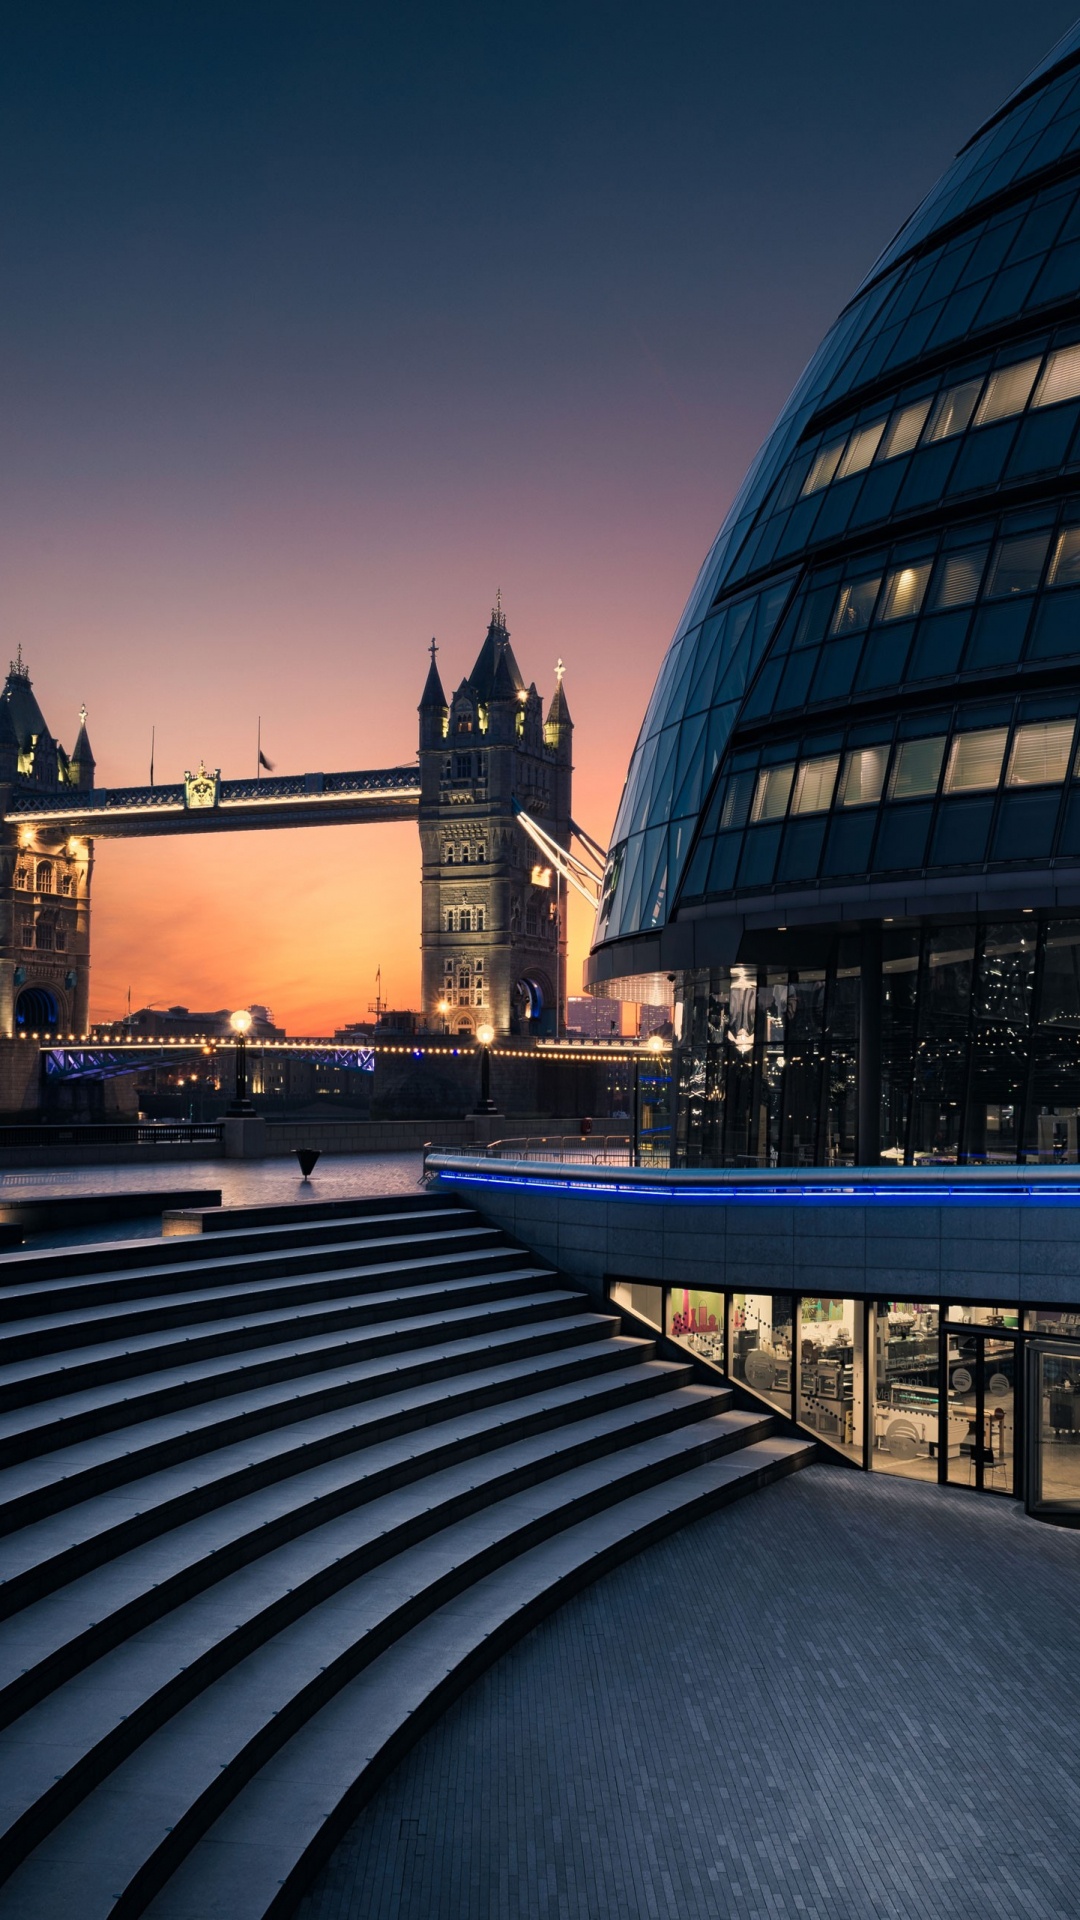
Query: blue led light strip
(780, 1195)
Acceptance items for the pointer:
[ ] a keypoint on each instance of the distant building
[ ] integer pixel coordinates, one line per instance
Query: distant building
(178, 1023)
(594, 1019)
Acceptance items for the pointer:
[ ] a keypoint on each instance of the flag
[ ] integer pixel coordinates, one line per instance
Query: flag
(264, 762)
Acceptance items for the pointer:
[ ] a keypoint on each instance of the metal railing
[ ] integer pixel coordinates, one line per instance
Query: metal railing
(596, 1150)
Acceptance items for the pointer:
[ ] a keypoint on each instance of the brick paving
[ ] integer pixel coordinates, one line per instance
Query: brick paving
(847, 1697)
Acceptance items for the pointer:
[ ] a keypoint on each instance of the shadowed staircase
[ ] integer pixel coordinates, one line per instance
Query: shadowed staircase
(270, 1497)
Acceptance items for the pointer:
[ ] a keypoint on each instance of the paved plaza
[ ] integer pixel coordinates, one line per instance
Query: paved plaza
(846, 1697)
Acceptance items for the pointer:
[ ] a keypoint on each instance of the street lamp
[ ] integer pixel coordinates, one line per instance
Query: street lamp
(443, 1008)
(485, 1035)
(240, 1022)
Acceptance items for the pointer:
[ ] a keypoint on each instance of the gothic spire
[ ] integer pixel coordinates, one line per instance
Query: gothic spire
(433, 695)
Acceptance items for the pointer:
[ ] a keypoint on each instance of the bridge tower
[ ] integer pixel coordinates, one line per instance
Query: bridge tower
(493, 936)
(44, 873)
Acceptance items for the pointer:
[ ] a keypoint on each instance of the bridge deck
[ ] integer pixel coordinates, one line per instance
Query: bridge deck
(296, 800)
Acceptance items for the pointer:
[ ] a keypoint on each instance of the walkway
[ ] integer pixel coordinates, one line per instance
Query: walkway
(845, 1698)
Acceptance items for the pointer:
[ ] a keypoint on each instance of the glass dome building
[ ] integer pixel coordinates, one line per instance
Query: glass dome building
(850, 830)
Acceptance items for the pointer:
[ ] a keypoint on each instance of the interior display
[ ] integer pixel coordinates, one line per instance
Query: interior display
(761, 1344)
(696, 1320)
(832, 1372)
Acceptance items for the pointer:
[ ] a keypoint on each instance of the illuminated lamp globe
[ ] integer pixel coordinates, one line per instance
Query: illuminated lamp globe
(654, 1043)
(240, 1021)
(485, 1035)
(442, 1006)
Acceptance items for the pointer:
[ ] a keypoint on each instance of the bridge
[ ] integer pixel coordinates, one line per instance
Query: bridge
(204, 803)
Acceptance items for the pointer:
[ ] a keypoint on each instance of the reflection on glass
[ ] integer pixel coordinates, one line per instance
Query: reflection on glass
(697, 1322)
(1040, 753)
(906, 1389)
(1017, 565)
(864, 777)
(1007, 391)
(975, 760)
(957, 580)
(952, 410)
(916, 768)
(1056, 1476)
(832, 1372)
(761, 1336)
(1060, 378)
(855, 605)
(1065, 559)
(641, 1298)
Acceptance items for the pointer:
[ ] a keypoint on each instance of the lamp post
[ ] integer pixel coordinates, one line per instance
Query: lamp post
(240, 1022)
(485, 1035)
(443, 1008)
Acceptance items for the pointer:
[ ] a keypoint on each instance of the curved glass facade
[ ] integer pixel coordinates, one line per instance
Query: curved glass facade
(861, 753)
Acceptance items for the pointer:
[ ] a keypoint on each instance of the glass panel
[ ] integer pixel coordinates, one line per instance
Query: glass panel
(860, 449)
(1056, 1476)
(855, 605)
(1007, 391)
(952, 410)
(814, 786)
(823, 468)
(965, 1314)
(735, 809)
(832, 1372)
(957, 580)
(975, 760)
(904, 590)
(761, 1338)
(1017, 564)
(1060, 378)
(916, 768)
(1065, 561)
(640, 1297)
(1063, 1320)
(771, 796)
(697, 1322)
(864, 777)
(906, 1389)
(904, 432)
(981, 1410)
(1040, 753)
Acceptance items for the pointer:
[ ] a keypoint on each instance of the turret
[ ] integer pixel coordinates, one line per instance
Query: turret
(433, 708)
(558, 726)
(81, 764)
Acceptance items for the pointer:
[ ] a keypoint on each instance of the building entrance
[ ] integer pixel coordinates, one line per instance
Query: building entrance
(1053, 1388)
(981, 1406)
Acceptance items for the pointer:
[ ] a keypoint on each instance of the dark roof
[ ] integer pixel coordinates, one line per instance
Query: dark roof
(495, 650)
(558, 714)
(26, 716)
(433, 695)
(83, 753)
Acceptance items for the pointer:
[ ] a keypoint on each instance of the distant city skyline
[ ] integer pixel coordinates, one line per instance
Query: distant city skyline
(322, 328)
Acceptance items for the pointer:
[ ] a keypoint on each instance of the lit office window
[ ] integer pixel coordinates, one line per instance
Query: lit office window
(864, 776)
(1060, 378)
(956, 582)
(771, 797)
(975, 760)
(904, 590)
(904, 430)
(824, 467)
(736, 805)
(815, 783)
(855, 605)
(1007, 391)
(831, 1372)
(1017, 565)
(860, 449)
(1065, 560)
(953, 410)
(1040, 753)
(917, 768)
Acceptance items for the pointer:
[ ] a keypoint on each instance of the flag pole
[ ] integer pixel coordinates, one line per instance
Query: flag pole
(153, 730)
(258, 752)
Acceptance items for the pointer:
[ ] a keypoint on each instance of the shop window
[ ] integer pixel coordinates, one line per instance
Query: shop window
(855, 605)
(1040, 753)
(641, 1298)
(864, 776)
(904, 591)
(823, 467)
(1007, 391)
(814, 784)
(956, 582)
(1017, 564)
(981, 1367)
(916, 768)
(1060, 378)
(860, 449)
(696, 1321)
(906, 1394)
(905, 429)
(1050, 1320)
(965, 1314)
(1055, 1469)
(953, 410)
(831, 1372)
(1065, 560)
(761, 1345)
(975, 760)
(771, 793)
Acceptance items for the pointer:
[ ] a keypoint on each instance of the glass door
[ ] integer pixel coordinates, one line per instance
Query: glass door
(980, 1409)
(1053, 1384)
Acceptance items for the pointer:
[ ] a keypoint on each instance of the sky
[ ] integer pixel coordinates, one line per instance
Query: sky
(322, 322)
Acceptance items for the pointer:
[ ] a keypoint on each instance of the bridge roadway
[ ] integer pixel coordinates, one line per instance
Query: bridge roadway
(295, 800)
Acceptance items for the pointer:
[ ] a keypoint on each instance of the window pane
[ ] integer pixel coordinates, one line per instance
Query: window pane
(736, 805)
(1065, 564)
(823, 468)
(860, 449)
(906, 1389)
(832, 1372)
(855, 605)
(761, 1343)
(952, 410)
(1040, 752)
(905, 429)
(1007, 391)
(864, 777)
(916, 768)
(814, 786)
(771, 798)
(975, 760)
(904, 590)
(1060, 378)
(697, 1322)
(1017, 564)
(957, 580)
